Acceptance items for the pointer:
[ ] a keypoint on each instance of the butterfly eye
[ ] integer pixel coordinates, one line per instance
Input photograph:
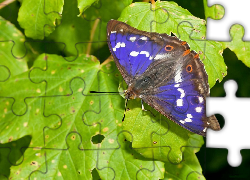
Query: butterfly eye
(169, 48)
(146, 79)
(189, 68)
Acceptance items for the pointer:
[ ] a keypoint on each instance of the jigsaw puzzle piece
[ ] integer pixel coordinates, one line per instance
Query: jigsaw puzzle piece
(71, 163)
(14, 74)
(58, 73)
(89, 114)
(46, 11)
(74, 32)
(224, 138)
(125, 162)
(11, 154)
(14, 71)
(71, 109)
(10, 36)
(210, 52)
(34, 159)
(32, 123)
(219, 29)
(189, 168)
(157, 133)
(15, 95)
(237, 45)
(85, 33)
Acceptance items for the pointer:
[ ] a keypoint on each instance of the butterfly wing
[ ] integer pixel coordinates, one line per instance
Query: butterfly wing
(133, 50)
(163, 71)
(182, 98)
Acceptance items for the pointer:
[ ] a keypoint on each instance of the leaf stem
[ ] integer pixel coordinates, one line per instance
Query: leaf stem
(110, 58)
(5, 3)
(92, 35)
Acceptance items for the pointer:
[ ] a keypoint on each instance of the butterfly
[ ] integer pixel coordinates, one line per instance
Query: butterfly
(163, 72)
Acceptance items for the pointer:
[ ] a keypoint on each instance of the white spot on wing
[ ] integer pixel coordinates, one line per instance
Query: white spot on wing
(177, 85)
(183, 122)
(132, 39)
(179, 102)
(159, 56)
(201, 99)
(144, 38)
(188, 119)
(182, 92)
(113, 32)
(121, 30)
(204, 130)
(134, 53)
(198, 109)
(118, 45)
(178, 78)
(145, 52)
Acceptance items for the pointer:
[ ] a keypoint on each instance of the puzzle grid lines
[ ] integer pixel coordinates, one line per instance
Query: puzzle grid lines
(62, 125)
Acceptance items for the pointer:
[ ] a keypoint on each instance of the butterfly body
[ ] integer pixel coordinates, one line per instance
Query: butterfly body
(164, 73)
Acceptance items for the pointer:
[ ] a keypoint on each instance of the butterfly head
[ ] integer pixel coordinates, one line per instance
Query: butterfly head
(130, 93)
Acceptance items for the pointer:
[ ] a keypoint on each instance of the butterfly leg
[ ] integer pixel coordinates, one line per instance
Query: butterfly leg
(142, 106)
(143, 109)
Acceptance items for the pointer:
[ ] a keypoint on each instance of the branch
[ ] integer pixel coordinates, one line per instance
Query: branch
(5, 3)
(92, 35)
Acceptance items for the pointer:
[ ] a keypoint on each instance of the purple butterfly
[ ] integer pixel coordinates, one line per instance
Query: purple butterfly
(164, 73)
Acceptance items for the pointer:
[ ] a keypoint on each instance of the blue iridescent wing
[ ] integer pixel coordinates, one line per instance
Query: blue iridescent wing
(188, 89)
(132, 50)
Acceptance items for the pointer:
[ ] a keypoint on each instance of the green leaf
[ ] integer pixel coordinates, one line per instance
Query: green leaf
(172, 18)
(188, 169)
(87, 33)
(11, 52)
(214, 62)
(10, 153)
(107, 10)
(161, 139)
(38, 17)
(52, 121)
(239, 47)
(84, 4)
(215, 12)
(165, 137)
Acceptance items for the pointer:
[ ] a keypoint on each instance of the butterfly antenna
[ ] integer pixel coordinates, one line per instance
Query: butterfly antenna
(106, 93)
